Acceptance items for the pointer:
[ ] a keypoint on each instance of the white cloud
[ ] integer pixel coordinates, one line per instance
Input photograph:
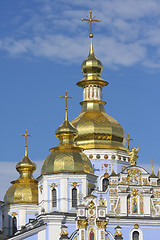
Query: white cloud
(128, 32)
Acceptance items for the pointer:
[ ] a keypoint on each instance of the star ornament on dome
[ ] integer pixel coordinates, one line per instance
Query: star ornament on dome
(90, 20)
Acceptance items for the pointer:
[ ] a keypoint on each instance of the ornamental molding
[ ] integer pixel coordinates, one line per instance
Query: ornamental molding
(101, 224)
(82, 223)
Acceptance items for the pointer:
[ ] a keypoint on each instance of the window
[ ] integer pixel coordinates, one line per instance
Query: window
(91, 235)
(14, 225)
(54, 197)
(105, 183)
(135, 235)
(74, 197)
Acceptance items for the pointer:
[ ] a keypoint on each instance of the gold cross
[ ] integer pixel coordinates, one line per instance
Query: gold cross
(129, 139)
(26, 135)
(66, 97)
(152, 162)
(91, 20)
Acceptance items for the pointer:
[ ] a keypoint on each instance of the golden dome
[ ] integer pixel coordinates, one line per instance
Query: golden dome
(66, 157)
(91, 69)
(25, 188)
(96, 129)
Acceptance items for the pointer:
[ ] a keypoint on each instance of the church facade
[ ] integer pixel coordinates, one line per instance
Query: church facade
(90, 187)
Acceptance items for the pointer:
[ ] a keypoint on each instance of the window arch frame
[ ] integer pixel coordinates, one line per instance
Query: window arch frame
(57, 194)
(14, 217)
(136, 230)
(103, 184)
(54, 200)
(72, 200)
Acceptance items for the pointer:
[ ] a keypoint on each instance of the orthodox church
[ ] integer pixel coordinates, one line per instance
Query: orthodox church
(90, 187)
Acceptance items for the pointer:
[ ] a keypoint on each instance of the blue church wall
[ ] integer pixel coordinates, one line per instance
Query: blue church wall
(71, 228)
(47, 232)
(30, 216)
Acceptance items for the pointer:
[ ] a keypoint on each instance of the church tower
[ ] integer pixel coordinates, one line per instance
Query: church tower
(21, 199)
(100, 135)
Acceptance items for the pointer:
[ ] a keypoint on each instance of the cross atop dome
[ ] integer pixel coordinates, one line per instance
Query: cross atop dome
(90, 20)
(66, 97)
(26, 135)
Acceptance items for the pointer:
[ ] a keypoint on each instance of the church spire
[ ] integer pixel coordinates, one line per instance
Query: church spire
(91, 132)
(26, 135)
(66, 132)
(66, 97)
(91, 69)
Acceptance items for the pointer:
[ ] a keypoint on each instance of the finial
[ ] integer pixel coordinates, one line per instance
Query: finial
(66, 97)
(26, 135)
(91, 20)
(152, 163)
(128, 140)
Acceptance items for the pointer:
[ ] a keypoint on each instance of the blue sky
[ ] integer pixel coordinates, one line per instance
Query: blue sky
(42, 46)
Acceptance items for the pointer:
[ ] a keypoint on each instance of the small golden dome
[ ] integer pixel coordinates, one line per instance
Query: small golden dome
(25, 188)
(92, 69)
(66, 157)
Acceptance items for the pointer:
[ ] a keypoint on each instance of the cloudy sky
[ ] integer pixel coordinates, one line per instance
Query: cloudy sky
(42, 46)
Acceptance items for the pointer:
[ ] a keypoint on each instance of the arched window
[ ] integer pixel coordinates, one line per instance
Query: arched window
(135, 235)
(74, 197)
(54, 197)
(14, 225)
(105, 183)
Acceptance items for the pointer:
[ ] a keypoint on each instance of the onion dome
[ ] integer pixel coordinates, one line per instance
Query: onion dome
(91, 69)
(25, 188)
(96, 129)
(152, 175)
(66, 157)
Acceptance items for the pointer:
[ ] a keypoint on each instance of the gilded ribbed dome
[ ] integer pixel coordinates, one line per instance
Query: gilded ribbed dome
(96, 129)
(25, 188)
(66, 157)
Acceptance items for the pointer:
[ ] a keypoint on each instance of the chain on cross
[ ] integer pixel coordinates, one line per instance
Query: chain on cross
(90, 20)
(26, 135)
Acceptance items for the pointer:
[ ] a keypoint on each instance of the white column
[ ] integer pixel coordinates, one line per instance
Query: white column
(54, 230)
(64, 195)
(123, 203)
(146, 203)
(42, 235)
(82, 234)
(84, 187)
(45, 195)
(22, 218)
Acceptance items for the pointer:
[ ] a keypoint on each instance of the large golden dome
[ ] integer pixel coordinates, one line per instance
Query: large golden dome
(96, 129)
(25, 188)
(66, 157)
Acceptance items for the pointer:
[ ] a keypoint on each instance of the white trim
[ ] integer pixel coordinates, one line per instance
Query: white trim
(50, 198)
(78, 191)
(136, 230)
